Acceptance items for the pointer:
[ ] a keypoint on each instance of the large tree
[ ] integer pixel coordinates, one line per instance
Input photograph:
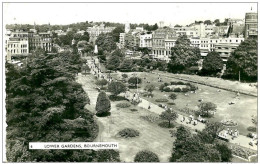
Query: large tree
(116, 87)
(190, 148)
(244, 61)
(116, 32)
(169, 115)
(212, 64)
(134, 81)
(106, 42)
(206, 108)
(183, 55)
(113, 62)
(103, 104)
(44, 103)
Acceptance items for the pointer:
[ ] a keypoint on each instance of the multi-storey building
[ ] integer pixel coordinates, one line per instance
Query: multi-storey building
(251, 29)
(41, 40)
(146, 40)
(132, 40)
(23, 43)
(189, 31)
(95, 31)
(210, 44)
(161, 37)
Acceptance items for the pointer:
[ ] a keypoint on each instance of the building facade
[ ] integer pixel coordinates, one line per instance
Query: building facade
(163, 40)
(146, 40)
(251, 29)
(95, 31)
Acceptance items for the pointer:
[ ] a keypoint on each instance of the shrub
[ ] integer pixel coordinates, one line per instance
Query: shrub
(173, 83)
(166, 84)
(177, 90)
(133, 110)
(160, 105)
(128, 132)
(150, 118)
(123, 105)
(146, 156)
(147, 94)
(109, 155)
(180, 83)
(167, 89)
(250, 135)
(161, 87)
(185, 90)
(173, 96)
(193, 88)
(102, 82)
(161, 100)
(251, 129)
(125, 76)
(116, 98)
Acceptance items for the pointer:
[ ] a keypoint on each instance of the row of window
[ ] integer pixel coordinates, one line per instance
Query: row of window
(16, 45)
(16, 51)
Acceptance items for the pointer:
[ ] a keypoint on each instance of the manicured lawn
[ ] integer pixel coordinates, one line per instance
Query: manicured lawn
(152, 137)
(241, 111)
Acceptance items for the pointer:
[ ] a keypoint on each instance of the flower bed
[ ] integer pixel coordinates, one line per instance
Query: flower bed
(229, 123)
(161, 100)
(242, 152)
(123, 105)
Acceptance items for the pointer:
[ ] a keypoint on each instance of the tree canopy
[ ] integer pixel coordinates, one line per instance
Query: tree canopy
(105, 42)
(206, 108)
(116, 87)
(212, 64)
(183, 55)
(44, 103)
(193, 148)
(103, 104)
(243, 60)
(134, 80)
(169, 115)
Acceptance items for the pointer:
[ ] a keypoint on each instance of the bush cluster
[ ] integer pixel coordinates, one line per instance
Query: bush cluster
(133, 110)
(123, 105)
(128, 132)
(150, 118)
(116, 98)
(251, 129)
(161, 100)
(146, 156)
(147, 94)
(171, 103)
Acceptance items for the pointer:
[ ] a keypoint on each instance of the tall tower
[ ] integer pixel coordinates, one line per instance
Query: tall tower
(161, 23)
(127, 27)
(251, 29)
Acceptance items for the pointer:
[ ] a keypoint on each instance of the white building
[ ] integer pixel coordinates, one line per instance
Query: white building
(146, 40)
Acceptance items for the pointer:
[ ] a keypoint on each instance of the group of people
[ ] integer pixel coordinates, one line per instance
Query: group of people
(190, 120)
(229, 132)
(254, 139)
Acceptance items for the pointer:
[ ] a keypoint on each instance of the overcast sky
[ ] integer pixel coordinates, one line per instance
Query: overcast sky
(170, 13)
